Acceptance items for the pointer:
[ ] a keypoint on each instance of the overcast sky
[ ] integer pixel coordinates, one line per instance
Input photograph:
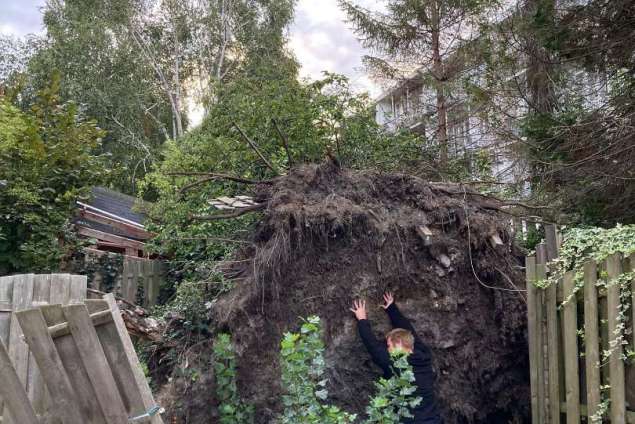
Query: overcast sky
(319, 37)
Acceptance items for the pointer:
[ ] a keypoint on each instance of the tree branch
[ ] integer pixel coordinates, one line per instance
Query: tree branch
(234, 214)
(209, 176)
(285, 141)
(255, 147)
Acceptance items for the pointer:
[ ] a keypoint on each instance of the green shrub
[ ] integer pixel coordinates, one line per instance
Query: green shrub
(303, 378)
(232, 409)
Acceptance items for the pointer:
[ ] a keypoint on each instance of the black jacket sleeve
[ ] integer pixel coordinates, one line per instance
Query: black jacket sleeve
(377, 349)
(399, 321)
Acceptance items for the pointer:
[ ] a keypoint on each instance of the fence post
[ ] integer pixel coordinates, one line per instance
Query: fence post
(616, 365)
(632, 268)
(572, 381)
(551, 340)
(591, 337)
(536, 374)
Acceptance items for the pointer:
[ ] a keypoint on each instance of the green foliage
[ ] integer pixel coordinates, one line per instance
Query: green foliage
(581, 245)
(303, 366)
(303, 379)
(47, 160)
(394, 396)
(189, 305)
(107, 268)
(315, 118)
(584, 244)
(232, 409)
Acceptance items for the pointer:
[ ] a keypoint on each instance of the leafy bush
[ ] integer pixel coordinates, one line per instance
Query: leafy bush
(47, 161)
(232, 409)
(302, 377)
(394, 395)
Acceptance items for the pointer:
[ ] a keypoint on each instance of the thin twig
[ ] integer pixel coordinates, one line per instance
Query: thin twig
(488, 196)
(210, 238)
(235, 214)
(255, 147)
(285, 141)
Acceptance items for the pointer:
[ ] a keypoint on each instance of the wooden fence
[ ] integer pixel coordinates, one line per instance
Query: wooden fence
(567, 371)
(139, 282)
(88, 366)
(19, 292)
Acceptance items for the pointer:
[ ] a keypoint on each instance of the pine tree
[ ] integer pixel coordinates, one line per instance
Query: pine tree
(421, 35)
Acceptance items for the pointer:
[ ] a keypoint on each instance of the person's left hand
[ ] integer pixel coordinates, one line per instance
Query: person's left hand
(388, 300)
(359, 309)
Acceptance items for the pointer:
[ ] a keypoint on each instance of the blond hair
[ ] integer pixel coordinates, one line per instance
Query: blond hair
(402, 337)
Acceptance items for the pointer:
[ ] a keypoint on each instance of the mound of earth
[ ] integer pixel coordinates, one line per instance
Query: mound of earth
(329, 235)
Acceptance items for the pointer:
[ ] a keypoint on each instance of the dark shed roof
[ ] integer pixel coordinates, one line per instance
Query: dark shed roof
(114, 206)
(116, 203)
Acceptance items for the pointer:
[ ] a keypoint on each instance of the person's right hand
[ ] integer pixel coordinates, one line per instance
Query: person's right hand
(388, 300)
(359, 309)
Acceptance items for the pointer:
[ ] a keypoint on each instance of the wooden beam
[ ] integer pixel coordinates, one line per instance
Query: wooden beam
(12, 391)
(111, 238)
(616, 365)
(130, 229)
(61, 392)
(570, 337)
(536, 373)
(592, 337)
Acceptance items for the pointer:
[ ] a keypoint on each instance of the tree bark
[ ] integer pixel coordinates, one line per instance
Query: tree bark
(177, 83)
(439, 76)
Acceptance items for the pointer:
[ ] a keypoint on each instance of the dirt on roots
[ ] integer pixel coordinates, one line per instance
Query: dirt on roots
(330, 235)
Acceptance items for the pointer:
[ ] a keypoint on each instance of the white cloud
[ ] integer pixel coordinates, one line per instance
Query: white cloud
(21, 17)
(322, 40)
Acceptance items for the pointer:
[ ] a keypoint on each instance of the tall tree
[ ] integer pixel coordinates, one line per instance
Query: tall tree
(135, 64)
(421, 36)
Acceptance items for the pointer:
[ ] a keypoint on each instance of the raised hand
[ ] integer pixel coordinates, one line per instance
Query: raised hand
(359, 309)
(388, 300)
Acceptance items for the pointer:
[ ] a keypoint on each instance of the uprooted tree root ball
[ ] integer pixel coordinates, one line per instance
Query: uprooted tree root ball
(330, 235)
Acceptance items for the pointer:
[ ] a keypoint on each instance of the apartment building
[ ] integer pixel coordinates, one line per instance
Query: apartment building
(475, 129)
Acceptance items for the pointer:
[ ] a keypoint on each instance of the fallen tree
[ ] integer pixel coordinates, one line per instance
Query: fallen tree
(328, 236)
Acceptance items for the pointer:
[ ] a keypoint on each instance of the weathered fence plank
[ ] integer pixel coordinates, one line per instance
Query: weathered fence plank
(94, 360)
(592, 338)
(551, 336)
(77, 375)
(616, 365)
(132, 360)
(535, 342)
(18, 349)
(6, 306)
(632, 268)
(58, 384)
(35, 385)
(572, 382)
(13, 393)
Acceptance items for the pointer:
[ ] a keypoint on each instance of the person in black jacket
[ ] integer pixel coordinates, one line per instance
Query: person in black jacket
(403, 337)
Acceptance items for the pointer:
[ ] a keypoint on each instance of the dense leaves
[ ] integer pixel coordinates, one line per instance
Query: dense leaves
(46, 161)
(271, 108)
(232, 410)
